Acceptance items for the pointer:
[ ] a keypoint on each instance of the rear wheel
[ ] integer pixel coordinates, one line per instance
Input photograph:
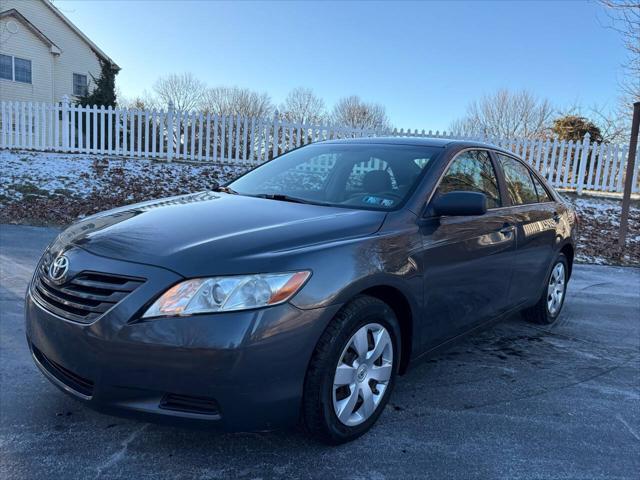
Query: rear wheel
(352, 371)
(548, 308)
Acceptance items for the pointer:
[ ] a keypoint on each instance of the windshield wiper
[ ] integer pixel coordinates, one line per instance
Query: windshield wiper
(224, 189)
(269, 196)
(283, 198)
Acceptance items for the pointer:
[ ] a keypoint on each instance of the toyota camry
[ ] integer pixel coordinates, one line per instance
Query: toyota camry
(301, 290)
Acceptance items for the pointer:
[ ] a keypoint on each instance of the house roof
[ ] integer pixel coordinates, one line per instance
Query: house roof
(18, 16)
(86, 39)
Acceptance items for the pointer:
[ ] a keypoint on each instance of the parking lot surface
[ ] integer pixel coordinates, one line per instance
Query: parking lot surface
(516, 401)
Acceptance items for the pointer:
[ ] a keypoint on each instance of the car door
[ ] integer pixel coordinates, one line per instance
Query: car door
(536, 217)
(467, 260)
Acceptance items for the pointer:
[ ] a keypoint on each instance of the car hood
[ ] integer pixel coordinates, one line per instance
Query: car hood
(212, 233)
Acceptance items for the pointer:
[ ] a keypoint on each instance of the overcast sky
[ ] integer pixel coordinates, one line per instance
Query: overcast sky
(423, 61)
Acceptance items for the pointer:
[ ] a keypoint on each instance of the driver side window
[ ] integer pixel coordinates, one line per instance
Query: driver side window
(472, 171)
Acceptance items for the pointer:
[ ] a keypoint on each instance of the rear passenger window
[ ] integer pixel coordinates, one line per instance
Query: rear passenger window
(543, 195)
(472, 171)
(519, 183)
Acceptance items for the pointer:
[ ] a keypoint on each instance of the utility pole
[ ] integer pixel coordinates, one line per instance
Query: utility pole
(628, 182)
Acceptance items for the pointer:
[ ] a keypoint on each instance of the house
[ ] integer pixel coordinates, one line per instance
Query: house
(43, 56)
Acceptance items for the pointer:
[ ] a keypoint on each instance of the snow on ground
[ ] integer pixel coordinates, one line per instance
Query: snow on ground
(598, 230)
(27, 173)
(55, 189)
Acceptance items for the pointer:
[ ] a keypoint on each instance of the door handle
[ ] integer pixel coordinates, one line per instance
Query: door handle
(507, 230)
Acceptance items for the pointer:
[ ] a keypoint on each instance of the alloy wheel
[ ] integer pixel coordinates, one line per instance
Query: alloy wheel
(362, 374)
(556, 289)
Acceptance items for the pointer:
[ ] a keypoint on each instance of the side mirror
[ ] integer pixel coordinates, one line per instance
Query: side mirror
(459, 204)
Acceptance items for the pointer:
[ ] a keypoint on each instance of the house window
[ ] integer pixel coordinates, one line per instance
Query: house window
(6, 67)
(21, 70)
(80, 85)
(14, 68)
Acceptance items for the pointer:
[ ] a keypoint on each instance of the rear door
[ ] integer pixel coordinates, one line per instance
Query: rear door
(467, 260)
(536, 217)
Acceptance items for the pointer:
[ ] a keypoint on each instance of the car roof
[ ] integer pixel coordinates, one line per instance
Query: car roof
(415, 141)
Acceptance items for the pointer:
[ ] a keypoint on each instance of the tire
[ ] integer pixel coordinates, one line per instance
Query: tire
(337, 350)
(542, 313)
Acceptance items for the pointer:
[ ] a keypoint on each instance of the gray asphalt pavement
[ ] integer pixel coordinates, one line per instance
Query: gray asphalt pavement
(517, 401)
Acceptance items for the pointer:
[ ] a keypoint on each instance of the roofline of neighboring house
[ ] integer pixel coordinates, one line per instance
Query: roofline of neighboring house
(92, 45)
(18, 16)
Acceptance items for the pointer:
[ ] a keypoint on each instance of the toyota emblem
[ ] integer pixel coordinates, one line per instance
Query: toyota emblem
(58, 269)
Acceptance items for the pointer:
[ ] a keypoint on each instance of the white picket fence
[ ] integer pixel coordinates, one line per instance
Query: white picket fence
(203, 137)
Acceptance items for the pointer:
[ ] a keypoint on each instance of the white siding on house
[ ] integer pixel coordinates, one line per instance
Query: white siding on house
(25, 44)
(76, 57)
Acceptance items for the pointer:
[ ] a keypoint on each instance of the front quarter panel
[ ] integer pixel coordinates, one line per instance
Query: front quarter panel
(344, 269)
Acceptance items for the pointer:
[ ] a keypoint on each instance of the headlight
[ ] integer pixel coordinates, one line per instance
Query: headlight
(226, 294)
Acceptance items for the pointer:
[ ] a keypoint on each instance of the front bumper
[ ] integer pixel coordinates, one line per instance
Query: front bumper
(248, 368)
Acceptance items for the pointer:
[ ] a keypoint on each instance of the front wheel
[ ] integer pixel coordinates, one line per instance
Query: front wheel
(548, 308)
(352, 371)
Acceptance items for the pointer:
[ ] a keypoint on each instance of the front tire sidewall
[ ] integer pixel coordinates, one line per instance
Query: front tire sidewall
(375, 312)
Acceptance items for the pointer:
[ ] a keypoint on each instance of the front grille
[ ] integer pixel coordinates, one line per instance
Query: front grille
(85, 297)
(189, 404)
(80, 384)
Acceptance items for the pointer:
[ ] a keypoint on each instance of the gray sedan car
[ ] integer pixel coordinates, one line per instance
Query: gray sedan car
(302, 289)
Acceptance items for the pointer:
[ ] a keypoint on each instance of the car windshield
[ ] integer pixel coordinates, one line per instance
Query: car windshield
(367, 176)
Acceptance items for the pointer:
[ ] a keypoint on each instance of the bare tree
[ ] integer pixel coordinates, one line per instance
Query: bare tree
(237, 101)
(355, 113)
(146, 101)
(624, 17)
(612, 126)
(506, 114)
(240, 102)
(303, 106)
(183, 90)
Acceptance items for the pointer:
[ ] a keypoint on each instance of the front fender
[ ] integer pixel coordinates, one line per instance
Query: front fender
(342, 270)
